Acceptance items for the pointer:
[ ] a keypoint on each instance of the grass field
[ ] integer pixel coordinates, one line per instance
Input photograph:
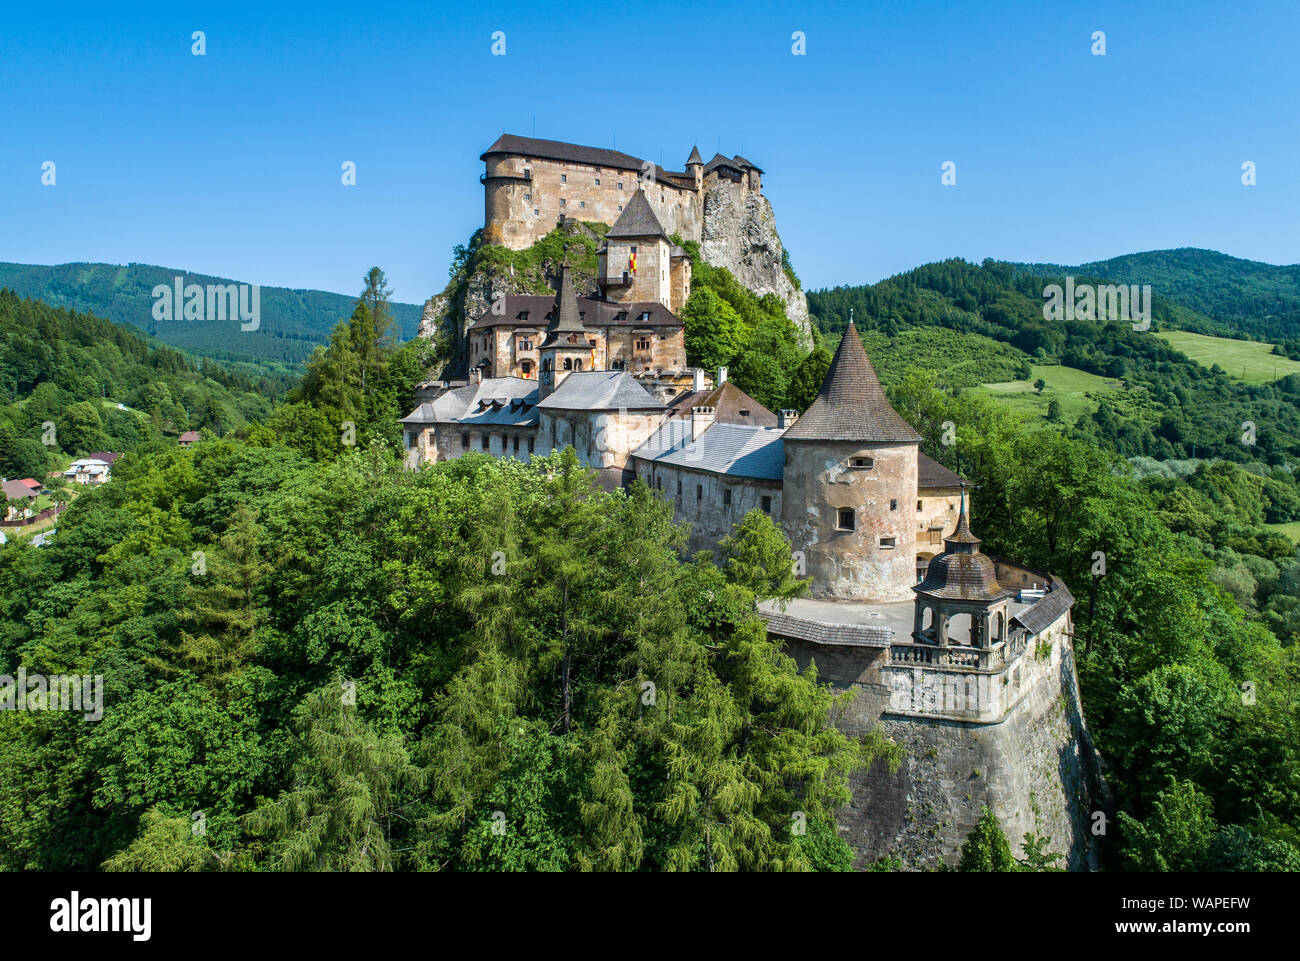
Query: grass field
(1246, 360)
(1067, 385)
(1291, 530)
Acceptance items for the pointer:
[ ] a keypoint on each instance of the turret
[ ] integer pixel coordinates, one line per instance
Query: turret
(960, 601)
(695, 167)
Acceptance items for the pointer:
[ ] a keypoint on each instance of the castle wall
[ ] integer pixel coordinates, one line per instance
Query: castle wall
(700, 498)
(856, 564)
(525, 196)
(1033, 768)
(601, 439)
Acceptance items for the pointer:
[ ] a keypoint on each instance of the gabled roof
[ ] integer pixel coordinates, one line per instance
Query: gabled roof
(852, 405)
(731, 449)
(189, 437)
(108, 457)
(600, 390)
(16, 489)
(499, 401)
(637, 220)
(593, 313)
(727, 402)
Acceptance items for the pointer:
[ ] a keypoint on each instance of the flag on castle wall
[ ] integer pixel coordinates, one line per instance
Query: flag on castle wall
(631, 263)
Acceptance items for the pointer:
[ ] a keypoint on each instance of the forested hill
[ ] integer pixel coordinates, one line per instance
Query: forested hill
(1241, 296)
(105, 387)
(292, 322)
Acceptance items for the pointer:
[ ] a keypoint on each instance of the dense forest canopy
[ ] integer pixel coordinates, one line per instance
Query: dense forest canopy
(335, 663)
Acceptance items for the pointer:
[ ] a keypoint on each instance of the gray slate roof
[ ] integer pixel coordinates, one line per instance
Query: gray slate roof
(473, 405)
(820, 632)
(592, 312)
(1044, 614)
(735, 450)
(694, 158)
(637, 220)
(600, 390)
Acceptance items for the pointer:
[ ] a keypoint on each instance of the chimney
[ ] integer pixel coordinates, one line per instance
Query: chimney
(786, 418)
(697, 380)
(475, 375)
(701, 420)
(722, 376)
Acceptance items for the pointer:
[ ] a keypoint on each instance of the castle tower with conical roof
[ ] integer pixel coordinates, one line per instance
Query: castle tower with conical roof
(566, 348)
(849, 489)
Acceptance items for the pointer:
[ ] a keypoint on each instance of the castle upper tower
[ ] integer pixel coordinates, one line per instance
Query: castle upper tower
(850, 485)
(639, 263)
(566, 348)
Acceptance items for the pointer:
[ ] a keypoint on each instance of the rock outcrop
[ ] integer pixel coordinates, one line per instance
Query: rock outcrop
(739, 233)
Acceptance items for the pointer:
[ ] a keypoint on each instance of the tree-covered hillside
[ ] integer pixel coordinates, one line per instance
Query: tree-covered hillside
(105, 387)
(1234, 297)
(1170, 407)
(292, 322)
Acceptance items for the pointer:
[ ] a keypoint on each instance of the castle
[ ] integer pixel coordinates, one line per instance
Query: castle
(529, 184)
(963, 658)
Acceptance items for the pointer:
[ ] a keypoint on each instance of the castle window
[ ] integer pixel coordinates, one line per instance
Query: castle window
(577, 365)
(699, 492)
(564, 178)
(530, 445)
(535, 212)
(568, 363)
(633, 250)
(619, 364)
(582, 203)
(522, 315)
(726, 497)
(562, 202)
(528, 198)
(645, 316)
(643, 344)
(865, 463)
(516, 444)
(620, 208)
(918, 505)
(525, 345)
(620, 187)
(887, 542)
(679, 488)
(487, 442)
(847, 520)
(597, 181)
(526, 366)
(744, 413)
(464, 441)
(893, 504)
(767, 505)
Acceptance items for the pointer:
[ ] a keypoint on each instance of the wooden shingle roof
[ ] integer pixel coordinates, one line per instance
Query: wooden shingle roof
(852, 405)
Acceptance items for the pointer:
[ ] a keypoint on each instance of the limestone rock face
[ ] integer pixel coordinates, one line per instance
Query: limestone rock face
(739, 233)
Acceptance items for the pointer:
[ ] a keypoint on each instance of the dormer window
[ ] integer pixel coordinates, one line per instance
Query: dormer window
(645, 316)
(621, 315)
(522, 315)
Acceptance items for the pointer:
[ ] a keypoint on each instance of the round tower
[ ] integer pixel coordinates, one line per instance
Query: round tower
(849, 487)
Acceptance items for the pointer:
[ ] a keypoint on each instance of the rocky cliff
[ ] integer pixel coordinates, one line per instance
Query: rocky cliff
(739, 233)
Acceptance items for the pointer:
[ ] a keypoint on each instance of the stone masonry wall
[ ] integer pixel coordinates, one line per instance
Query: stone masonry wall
(1032, 769)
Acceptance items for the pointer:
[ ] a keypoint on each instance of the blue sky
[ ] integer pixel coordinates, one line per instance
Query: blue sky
(229, 163)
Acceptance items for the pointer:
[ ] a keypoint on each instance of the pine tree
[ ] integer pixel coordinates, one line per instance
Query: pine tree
(222, 614)
(986, 847)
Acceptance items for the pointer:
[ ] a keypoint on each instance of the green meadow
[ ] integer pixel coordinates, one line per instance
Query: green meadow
(1247, 360)
(1074, 389)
